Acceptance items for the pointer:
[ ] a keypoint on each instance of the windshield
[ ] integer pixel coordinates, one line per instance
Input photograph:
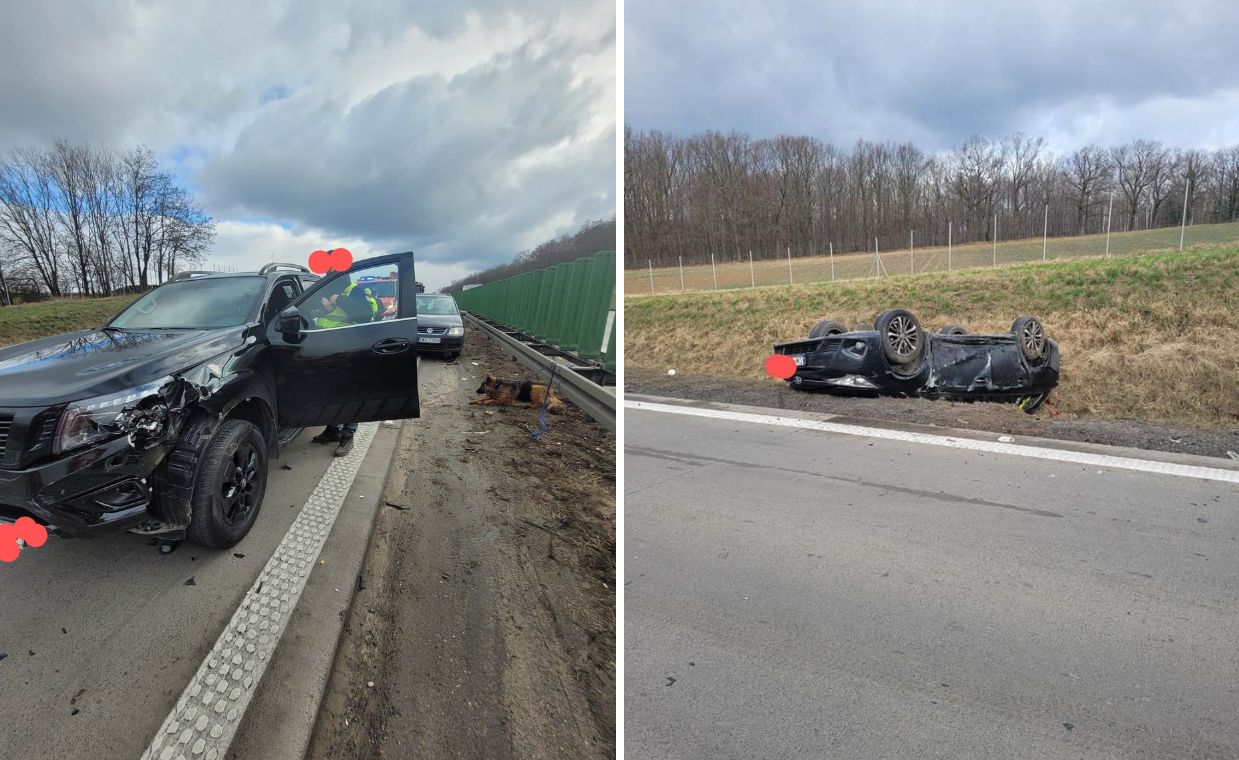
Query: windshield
(436, 305)
(202, 303)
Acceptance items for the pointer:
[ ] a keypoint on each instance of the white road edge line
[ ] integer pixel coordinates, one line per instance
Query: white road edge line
(211, 707)
(1014, 449)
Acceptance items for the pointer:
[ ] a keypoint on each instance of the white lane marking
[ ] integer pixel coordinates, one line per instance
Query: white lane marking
(1014, 449)
(210, 709)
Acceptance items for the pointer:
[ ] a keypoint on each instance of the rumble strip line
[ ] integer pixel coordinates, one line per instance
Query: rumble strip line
(208, 712)
(1014, 449)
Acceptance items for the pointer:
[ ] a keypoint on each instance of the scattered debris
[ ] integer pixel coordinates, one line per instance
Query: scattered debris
(64, 631)
(3, 655)
(238, 555)
(1232, 454)
(370, 684)
(1069, 726)
(75, 711)
(286, 467)
(1005, 439)
(394, 505)
(1201, 520)
(73, 700)
(167, 547)
(670, 681)
(190, 582)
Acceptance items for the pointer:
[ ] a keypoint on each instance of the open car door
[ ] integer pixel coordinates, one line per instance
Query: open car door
(337, 359)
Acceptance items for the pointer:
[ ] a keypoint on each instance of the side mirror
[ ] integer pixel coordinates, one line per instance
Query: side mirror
(289, 324)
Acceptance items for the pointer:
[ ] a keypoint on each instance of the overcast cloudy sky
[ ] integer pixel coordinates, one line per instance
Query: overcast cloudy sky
(935, 72)
(466, 131)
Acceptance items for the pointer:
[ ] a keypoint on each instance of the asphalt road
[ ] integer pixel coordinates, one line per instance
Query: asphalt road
(796, 593)
(108, 628)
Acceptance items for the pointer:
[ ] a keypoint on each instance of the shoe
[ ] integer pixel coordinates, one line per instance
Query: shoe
(330, 435)
(346, 445)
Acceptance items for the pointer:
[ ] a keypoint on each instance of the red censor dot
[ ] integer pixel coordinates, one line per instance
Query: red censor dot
(320, 262)
(26, 529)
(341, 259)
(780, 366)
(338, 259)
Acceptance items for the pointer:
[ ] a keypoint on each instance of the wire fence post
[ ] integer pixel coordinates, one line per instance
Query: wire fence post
(650, 264)
(995, 240)
(714, 269)
(1045, 229)
(681, 258)
(911, 253)
(790, 281)
(1183, 223)
(832, 261)
(1109, 214)
(752, 277)
(948, 246)
(877, 260)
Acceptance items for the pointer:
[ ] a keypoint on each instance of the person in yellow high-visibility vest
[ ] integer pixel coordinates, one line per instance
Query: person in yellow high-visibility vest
(357, 305)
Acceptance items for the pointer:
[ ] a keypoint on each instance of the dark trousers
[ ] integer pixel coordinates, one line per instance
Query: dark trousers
(346, 430)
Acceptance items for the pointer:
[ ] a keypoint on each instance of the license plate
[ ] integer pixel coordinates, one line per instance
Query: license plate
(799, 359)
(429, 340)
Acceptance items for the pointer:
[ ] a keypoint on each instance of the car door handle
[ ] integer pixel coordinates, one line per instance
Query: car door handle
(391, 346)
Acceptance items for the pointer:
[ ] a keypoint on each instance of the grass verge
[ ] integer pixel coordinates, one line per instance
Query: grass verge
(35, 320)
(1152, 337)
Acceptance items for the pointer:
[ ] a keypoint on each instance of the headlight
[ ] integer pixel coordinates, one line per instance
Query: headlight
(456, 331)
(137, 410)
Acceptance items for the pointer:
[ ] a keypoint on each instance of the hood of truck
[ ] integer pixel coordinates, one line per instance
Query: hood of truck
(90, 363)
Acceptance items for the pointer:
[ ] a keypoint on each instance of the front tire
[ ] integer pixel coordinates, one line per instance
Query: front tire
(827, 327)
(903, 340)
(230, 486)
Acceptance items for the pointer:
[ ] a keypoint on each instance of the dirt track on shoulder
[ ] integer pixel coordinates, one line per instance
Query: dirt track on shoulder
(487, 619)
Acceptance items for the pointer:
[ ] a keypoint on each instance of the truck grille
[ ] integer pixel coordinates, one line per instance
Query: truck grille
(6, 423)
(802, 347)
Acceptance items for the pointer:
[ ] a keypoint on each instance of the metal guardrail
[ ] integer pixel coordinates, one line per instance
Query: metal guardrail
(595, 400)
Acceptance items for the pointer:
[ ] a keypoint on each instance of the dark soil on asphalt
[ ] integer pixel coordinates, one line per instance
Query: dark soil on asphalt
(997, 418)
(487, 619)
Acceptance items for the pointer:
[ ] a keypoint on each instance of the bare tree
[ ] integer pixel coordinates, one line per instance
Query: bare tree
(28, 214)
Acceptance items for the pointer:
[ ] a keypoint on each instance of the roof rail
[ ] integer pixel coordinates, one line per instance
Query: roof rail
(189, 273)
(266, 268)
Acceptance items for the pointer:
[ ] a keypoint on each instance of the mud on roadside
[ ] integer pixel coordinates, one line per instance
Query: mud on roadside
(486, 615)
(997, 418)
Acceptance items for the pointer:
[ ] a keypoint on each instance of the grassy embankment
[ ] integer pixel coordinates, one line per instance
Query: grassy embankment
(896, 259)
(29, 321)
(1152, 336)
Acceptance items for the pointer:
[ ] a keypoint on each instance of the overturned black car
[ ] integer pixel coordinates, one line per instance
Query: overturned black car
(162, 421)
(897, 356)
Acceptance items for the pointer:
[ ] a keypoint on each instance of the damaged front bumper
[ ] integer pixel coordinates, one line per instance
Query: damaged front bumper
(101, 488)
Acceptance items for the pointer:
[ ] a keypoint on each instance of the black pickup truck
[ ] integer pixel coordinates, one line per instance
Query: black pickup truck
(162, 421)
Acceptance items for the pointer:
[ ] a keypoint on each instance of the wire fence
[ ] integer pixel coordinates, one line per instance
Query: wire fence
(715, 272)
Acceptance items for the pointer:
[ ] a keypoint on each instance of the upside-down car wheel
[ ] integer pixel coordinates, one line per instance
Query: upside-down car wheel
(1030, 335)
(827, 327)
(953, 330)
(903, 340)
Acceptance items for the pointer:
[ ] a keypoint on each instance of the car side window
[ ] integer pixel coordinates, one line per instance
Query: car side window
(282, 295)
(364, 295)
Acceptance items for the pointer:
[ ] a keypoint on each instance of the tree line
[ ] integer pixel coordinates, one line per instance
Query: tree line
(76, 219)
(729, 194)
(593, 237)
